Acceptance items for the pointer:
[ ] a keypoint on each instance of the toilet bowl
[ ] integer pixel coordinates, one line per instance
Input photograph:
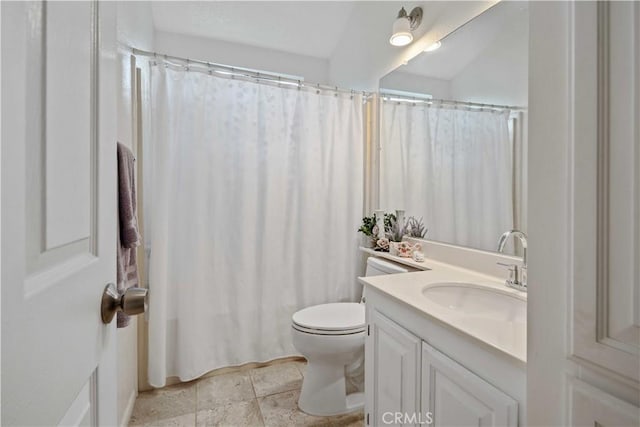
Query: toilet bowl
(331, 337)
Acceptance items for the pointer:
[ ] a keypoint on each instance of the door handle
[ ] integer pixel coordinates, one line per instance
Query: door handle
(132, 301)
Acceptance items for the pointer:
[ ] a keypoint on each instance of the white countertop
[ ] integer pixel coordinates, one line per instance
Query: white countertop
(500, 331)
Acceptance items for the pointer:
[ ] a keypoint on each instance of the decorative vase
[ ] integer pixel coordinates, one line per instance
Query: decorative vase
(400, 218)
(380, 223)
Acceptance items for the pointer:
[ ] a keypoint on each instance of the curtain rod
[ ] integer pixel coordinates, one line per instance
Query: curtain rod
(248, 73)
(416, 100)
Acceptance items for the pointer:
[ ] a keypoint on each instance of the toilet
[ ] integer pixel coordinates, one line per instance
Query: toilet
(331, 338)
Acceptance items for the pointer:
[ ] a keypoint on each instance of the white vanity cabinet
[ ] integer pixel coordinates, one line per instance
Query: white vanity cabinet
(393, 354)
(455, 396)
(419, 371)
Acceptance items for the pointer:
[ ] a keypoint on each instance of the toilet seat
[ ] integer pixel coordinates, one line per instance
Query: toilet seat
(342, 318)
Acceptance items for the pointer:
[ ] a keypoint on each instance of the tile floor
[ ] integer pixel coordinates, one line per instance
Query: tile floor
(265, 396)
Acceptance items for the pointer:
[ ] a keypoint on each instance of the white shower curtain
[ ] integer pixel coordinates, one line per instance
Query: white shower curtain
(253, 199)
(451, 166)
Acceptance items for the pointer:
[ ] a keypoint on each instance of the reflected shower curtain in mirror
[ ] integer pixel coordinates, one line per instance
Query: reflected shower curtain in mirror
(253, 196)
(453, 166)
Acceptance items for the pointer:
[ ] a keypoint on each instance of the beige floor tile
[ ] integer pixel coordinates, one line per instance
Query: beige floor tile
(187, 420)
(348, 420)
(164, 404)
(276, 379)
(279, 410)
(232, 414)
(234, 387)
(302, 366)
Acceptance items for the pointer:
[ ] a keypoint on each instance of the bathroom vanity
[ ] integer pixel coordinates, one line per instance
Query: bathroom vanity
(444, 346)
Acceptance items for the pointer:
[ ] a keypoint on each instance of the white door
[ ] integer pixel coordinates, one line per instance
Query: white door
(453, 396)
(392, 357)
(583, 363)
(58, 212)
(605, 289)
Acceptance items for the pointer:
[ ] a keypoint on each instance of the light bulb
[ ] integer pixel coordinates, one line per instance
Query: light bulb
(401, 32)
(401, 39)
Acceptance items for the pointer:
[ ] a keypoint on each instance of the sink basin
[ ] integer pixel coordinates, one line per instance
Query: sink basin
(500, 317)
(470, 299)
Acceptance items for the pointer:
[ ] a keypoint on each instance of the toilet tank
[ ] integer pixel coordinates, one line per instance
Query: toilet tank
(379, 266)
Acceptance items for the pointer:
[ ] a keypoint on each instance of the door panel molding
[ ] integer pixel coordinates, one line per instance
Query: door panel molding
(603, 270)
(590, 406)
(79, 250)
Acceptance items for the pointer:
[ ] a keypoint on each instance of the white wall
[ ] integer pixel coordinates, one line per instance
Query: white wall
(312, 69)
(549, 237)
(499, 74)
(408, 82)
(135, 29)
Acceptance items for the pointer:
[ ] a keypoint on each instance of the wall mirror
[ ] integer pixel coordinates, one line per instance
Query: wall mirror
(453, 132)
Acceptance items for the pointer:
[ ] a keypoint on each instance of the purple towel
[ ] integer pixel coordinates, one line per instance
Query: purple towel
(128, 236)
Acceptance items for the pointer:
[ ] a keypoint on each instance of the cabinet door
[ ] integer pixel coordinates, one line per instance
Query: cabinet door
(455, 396)
(392, 373)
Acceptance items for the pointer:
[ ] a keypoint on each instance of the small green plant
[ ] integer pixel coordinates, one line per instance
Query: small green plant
(368, 224)
(416, 228)
(389, 220)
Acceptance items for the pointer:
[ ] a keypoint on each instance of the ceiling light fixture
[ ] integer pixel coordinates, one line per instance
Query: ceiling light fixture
(434, 46)
(404, 25)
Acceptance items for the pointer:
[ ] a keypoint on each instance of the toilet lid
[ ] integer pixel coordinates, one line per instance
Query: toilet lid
(339, 316)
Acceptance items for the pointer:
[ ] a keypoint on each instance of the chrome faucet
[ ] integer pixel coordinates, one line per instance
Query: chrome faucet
(517, 275)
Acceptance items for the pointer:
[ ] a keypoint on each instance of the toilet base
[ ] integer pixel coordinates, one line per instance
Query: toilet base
(324, 391)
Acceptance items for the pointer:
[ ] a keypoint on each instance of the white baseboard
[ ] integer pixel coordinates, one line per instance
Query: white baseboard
(126, 416)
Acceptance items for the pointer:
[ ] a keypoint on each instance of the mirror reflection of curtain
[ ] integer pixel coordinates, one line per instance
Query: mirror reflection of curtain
(254, 194)
(452, 166)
